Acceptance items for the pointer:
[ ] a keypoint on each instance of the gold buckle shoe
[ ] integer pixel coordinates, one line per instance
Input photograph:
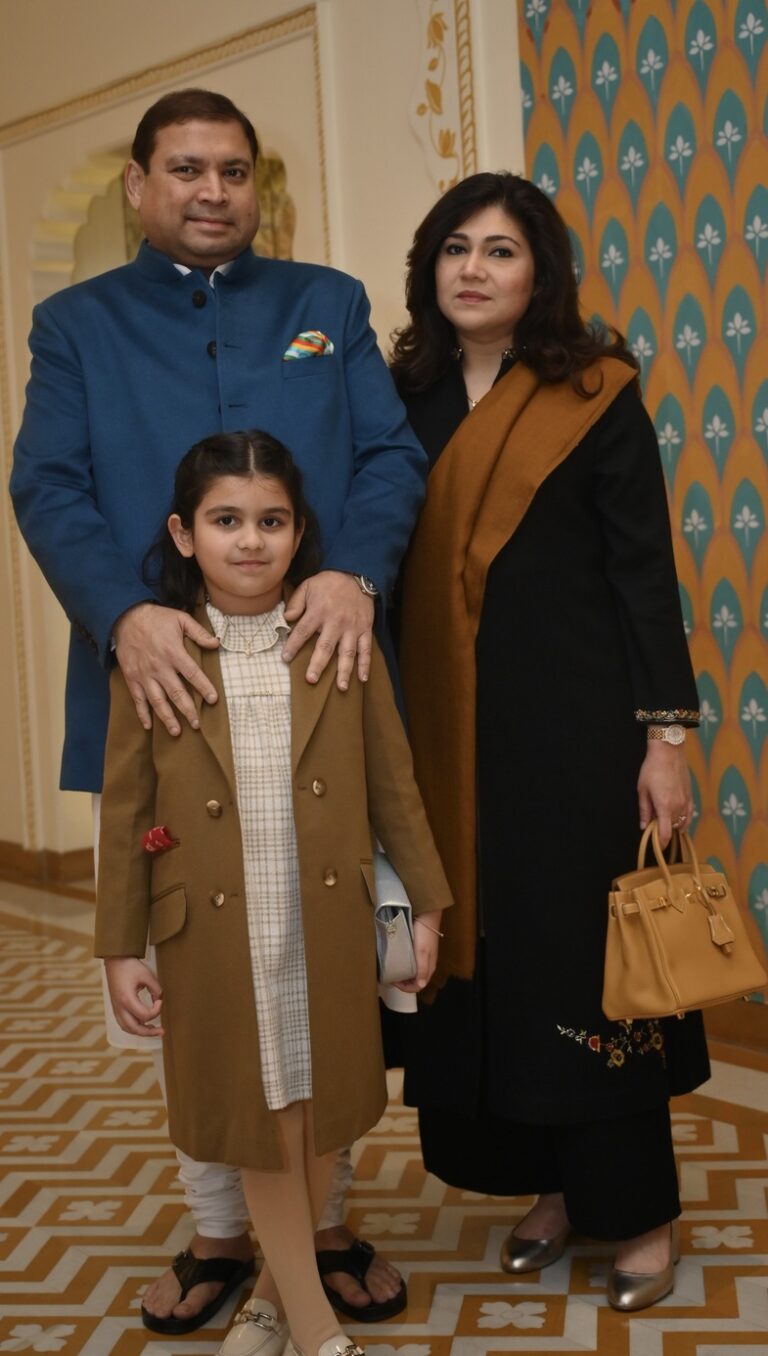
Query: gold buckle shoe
(255, 1331)
(628, 1290)
(519, 1255)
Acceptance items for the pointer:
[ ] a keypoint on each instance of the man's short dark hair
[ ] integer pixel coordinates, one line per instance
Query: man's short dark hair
(185, 105)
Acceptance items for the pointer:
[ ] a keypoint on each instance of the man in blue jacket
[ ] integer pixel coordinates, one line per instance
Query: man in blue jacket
(129, 369)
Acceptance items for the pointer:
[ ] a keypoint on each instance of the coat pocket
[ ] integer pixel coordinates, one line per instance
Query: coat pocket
(168, 914)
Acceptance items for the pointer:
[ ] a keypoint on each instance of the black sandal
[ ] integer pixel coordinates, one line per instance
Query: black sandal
(191, 1271)
(355, 1261)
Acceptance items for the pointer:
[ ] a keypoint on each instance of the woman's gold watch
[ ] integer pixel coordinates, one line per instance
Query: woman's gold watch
(671, 734)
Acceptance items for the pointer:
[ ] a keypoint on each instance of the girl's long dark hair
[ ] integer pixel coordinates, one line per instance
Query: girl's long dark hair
(551, 338)
(177, 578)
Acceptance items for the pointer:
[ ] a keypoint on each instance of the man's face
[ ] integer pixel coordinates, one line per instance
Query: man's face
(197, 202)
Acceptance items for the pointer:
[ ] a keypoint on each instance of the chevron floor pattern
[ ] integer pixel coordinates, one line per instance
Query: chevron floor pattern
(90, 1209)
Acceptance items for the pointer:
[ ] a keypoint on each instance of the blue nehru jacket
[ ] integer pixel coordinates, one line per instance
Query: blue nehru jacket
(133, 367)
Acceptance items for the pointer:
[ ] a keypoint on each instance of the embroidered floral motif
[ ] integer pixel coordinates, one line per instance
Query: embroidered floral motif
(626, 1038)
(662, 717)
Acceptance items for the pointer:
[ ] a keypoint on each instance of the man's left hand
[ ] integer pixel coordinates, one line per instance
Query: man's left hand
(333, 607)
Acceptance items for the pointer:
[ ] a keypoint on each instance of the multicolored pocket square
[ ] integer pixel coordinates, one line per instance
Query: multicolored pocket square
(159, 839)
(309, 344)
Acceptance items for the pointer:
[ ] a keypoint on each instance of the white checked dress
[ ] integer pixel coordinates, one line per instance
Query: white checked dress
(257, 689)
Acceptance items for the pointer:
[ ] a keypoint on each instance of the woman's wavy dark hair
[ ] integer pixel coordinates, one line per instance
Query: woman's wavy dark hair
(551, 338)
(177, 578)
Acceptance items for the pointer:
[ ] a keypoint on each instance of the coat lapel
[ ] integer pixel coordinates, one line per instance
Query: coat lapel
(307, 700)
(214, 720)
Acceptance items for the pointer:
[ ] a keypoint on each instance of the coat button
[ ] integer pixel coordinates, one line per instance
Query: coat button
(330, 878)
(211, 349)
(319, 787)
(214, 808)
(198, 298)
(217, 898)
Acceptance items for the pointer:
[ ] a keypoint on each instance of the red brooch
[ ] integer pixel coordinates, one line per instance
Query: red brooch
(159, 839)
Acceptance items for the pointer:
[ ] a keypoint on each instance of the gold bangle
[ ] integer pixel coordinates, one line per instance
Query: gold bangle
(425, 924)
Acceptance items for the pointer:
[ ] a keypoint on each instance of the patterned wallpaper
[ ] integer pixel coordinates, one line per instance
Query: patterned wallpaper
(646, 121)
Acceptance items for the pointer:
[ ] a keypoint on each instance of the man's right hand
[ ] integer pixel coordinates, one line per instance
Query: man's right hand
(149, 642)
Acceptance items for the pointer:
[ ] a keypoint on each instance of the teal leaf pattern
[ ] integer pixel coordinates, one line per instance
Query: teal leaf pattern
(652, 58)
(660, 246)
(757, 897)
(749, 29)
(730, 131)
(606, 73)
(536, 12)
(680, 144)
(718, 426)
(527, 95)
(690, 332)
(711, 708)
(697, 521)
(642, 340)
(739, 326)
(546, 171)
(756, 226)
(726, 618)
(764, 614)
(753, 711)
(760, 418)
(747, 519)
(669, 422)
(710, 234)
(632, 159)
(562, 85)
(588, 171)
(734, 803)
(614, 256)
(700, 41)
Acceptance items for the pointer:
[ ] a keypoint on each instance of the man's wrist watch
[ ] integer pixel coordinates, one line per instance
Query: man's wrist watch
(670, 734)
(367, 585)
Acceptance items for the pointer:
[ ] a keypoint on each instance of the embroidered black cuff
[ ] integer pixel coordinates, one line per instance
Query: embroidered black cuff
(681, 715)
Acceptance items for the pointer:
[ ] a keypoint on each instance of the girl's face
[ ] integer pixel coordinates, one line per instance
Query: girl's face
(244, 537)
(484, 277)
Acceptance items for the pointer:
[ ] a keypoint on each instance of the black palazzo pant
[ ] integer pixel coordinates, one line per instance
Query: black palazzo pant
(523, 1086)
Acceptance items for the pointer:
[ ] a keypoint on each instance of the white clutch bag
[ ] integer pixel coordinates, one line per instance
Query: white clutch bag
(393, 917)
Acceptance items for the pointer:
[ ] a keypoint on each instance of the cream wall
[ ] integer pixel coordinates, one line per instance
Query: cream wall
(334, 87)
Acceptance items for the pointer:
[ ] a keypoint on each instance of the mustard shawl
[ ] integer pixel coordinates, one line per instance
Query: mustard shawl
(478, 494)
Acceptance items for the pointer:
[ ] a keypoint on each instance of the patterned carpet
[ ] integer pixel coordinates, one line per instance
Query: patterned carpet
(90, 1210)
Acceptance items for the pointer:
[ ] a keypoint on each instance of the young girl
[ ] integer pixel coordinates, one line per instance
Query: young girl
(259, 897)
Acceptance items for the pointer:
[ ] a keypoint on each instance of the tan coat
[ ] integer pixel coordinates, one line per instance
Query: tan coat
(351, 764)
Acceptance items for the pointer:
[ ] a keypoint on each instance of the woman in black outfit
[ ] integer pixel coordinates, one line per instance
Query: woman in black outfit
(548, 689)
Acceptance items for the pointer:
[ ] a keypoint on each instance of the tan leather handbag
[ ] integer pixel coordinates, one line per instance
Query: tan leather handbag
(676, 939)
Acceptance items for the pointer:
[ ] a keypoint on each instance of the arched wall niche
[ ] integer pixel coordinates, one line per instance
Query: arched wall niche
(89, 226)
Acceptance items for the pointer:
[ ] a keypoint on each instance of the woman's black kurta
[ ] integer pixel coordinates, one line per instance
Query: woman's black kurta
(580, 626)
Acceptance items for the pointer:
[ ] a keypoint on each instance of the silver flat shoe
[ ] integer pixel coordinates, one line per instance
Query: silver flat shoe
(256, 1331)
(628, 1290)
(519, 1255)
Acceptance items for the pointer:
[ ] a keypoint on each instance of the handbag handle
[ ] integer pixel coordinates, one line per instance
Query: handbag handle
(681, 842)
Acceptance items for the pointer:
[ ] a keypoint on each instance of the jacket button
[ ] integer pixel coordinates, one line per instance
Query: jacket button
(330, 878)
(211, 349)
(217, 898)
(198, 298)
(319, 787)
(214, 808)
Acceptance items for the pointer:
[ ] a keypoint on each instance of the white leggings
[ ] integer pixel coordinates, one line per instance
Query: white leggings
(212, 1191)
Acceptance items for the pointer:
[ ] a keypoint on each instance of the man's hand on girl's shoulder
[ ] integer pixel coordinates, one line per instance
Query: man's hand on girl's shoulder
(149, 647)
